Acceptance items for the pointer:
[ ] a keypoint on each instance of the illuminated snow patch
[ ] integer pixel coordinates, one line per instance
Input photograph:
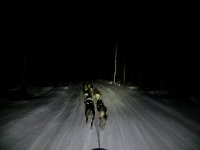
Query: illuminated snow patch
(66, 88)
(133, 87)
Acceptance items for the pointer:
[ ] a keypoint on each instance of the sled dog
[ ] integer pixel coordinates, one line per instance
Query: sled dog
(89, 110)
(87, 87)
(87, 90)
(102, 113)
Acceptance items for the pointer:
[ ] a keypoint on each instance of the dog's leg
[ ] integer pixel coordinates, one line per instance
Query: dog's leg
(93, 116)
(106, 116)
(86, 116)
(91, 124)
(86, 119)
(100, 120)
(104, 123)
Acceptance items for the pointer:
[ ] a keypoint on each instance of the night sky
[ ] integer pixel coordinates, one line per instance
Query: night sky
(58, 49)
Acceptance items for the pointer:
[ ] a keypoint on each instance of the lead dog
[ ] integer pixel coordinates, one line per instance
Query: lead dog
(87, 87)
(102, 113)
(87, 90)
(89, 110)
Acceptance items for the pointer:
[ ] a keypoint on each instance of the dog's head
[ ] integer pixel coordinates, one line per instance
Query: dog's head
(88, 101)
(100, 102)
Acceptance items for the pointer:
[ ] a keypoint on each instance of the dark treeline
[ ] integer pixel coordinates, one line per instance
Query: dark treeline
(153, 57)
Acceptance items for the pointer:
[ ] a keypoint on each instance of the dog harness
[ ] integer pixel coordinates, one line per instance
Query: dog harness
(88, 101)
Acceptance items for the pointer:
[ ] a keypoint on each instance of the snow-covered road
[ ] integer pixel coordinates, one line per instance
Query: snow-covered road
(135, 122)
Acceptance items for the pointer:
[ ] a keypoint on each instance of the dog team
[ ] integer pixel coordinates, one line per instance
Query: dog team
(93, 101)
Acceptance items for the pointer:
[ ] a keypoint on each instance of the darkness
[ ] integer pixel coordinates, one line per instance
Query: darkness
(159, 51)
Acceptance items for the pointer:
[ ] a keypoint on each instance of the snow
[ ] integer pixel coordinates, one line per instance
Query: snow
(135, 122)
(133, 87)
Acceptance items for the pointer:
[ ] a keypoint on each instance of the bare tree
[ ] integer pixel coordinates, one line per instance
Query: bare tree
(115, 65)
(124, 73)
